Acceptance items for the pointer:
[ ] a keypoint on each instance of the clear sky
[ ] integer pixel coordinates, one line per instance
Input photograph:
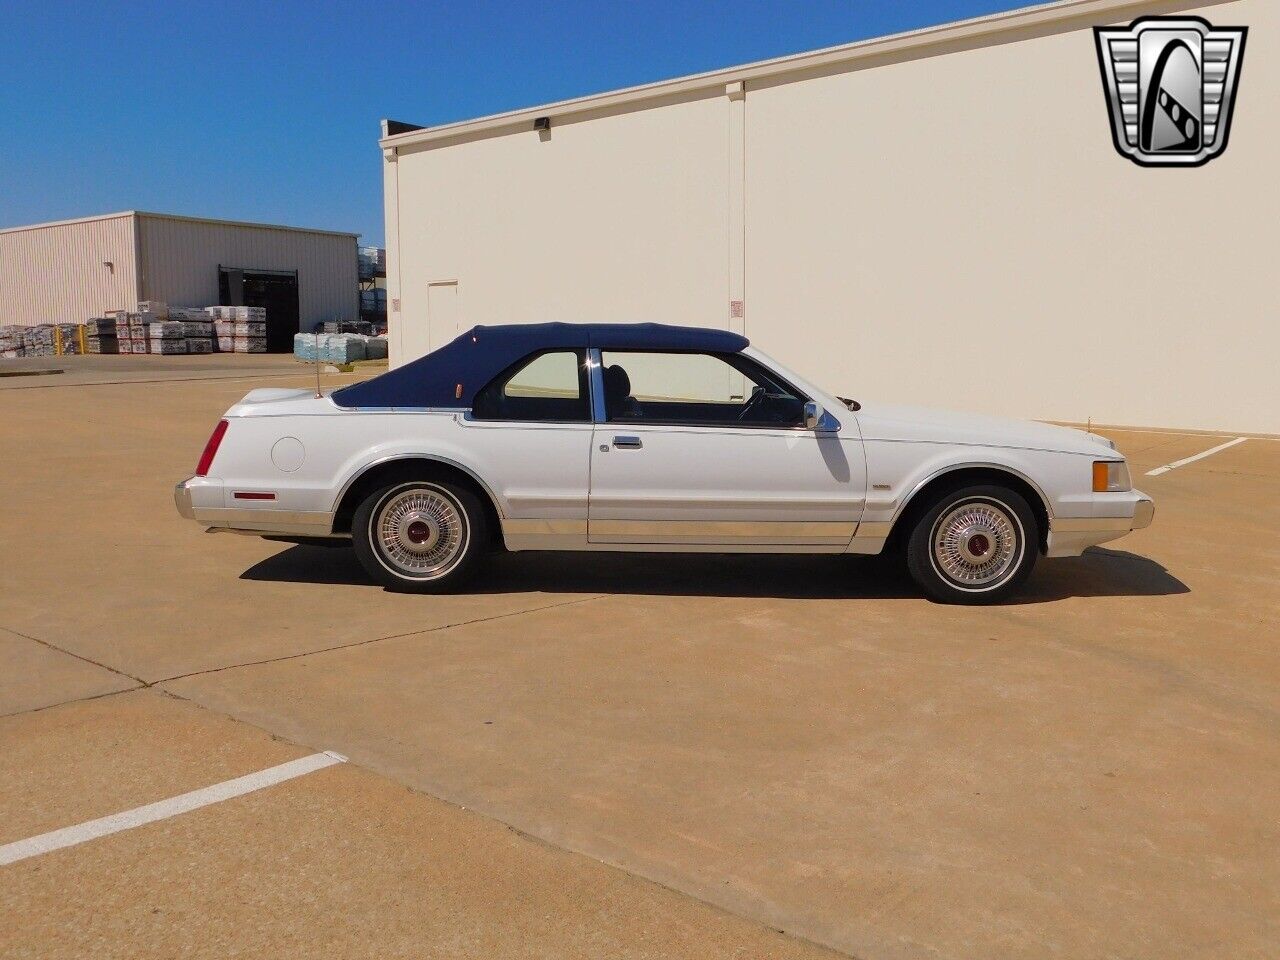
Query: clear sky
(269, 111)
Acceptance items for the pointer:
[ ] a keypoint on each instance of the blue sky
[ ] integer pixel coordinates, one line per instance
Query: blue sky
(269, 111)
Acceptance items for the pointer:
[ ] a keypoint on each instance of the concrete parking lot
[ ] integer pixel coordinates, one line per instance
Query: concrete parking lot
(625, 756)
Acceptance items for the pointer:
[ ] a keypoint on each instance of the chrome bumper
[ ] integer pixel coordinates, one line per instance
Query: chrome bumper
(182, 500)
(1070, 536)
(271, 522)
(1143, 513)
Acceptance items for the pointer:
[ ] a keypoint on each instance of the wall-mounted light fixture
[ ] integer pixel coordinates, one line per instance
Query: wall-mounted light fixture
(542, 123)
(109, 265)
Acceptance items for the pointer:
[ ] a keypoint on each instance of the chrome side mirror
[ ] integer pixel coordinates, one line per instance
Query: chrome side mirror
(812, 415)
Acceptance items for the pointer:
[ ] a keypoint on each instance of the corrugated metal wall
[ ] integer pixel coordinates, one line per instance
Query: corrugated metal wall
(180, 260)
(58, 273)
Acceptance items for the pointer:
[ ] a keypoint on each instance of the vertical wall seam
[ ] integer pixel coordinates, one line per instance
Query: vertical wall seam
(742, 210)
(139, 277)
(395, 293)
(736, 95)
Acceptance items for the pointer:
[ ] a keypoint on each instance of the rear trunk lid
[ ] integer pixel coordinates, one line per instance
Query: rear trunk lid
(278, 401)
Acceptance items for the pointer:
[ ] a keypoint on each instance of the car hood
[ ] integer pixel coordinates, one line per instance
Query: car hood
(882, 421)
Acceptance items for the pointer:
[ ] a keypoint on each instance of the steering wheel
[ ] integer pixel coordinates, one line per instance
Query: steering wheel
(758, 395)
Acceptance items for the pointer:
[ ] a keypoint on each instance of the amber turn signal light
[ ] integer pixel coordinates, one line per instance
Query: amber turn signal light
(1110, 476)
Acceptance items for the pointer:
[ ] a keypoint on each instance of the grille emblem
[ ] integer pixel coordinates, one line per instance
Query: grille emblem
(1171, 85)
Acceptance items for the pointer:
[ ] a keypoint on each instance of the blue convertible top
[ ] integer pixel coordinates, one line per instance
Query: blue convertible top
(452, 375)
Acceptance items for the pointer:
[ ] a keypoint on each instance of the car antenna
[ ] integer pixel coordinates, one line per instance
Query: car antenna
(315, 331)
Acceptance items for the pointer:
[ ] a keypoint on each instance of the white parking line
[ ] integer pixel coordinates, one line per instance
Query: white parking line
(1199, 456)
(162, 809)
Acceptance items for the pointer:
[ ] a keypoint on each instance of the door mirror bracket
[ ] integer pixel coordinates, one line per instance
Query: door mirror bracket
(812, 415)
(817, 419)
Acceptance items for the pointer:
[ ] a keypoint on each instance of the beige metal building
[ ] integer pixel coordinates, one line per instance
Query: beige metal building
(71, 270)
(937, 217)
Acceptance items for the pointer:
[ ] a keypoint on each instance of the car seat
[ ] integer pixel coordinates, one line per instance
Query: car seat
(617, 393)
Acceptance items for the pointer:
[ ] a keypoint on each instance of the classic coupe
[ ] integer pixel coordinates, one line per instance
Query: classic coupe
(646, 437)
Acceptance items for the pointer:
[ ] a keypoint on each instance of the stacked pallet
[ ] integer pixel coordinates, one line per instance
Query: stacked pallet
(131, 335)
(362, 327)
(51, 340)
(224, 328)
(37, 341)
(124, 343)
(308, 347)
(166, 336)
(153, 328)
(371, 262)
(100, 335)
(339, 348)
(374, 302)
(11, 342)
(69, 338)
(133, 329)
(239, 329)
(197, 328)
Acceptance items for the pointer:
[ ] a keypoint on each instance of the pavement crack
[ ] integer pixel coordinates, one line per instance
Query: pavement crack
(63, 703)
(527, 836)
(71, 653)
(372, 640)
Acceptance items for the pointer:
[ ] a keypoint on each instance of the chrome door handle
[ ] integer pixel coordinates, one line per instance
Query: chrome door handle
(628, 443)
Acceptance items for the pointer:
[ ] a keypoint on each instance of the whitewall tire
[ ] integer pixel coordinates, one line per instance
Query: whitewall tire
(424, 536)
(975, 545)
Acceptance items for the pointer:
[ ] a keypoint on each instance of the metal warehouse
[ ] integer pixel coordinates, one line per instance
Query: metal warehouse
(939, 217)
(71, 270)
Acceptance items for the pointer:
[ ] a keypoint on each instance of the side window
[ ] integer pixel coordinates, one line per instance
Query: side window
(696, 388)
(546, 387)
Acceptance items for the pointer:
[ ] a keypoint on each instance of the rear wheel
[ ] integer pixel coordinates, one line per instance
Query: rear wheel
(975, 545)
(424, 536)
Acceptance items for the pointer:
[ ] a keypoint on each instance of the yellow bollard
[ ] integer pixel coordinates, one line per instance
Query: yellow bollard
(81, 332)
(57, 340)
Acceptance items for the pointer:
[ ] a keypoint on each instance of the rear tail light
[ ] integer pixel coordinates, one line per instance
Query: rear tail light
(211, 449)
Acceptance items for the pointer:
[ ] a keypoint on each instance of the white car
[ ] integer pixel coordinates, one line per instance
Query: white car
(646, 437)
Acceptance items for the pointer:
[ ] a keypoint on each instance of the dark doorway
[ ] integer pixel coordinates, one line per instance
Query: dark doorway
(276, 290)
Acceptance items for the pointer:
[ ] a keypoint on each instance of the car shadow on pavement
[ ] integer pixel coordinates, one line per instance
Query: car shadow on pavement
(1099, 573)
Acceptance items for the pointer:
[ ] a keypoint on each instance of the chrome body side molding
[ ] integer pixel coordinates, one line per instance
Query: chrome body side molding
(703, 537)
(723, 532)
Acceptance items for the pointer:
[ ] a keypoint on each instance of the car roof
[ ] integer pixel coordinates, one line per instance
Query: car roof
(452, 375)
(612, 336)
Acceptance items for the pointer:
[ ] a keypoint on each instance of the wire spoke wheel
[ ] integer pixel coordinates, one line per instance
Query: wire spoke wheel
(976, 544)
(420, 532)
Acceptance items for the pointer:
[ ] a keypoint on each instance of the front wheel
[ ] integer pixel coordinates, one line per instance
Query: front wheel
(975, 545)
(423, 536)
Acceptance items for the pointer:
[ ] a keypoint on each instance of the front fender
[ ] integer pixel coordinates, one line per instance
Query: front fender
(898, 471)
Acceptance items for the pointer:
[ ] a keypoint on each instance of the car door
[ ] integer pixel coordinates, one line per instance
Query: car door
(529, 435)
(686, 455)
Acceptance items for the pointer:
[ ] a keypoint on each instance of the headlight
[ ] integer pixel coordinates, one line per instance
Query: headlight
(1110, 476)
